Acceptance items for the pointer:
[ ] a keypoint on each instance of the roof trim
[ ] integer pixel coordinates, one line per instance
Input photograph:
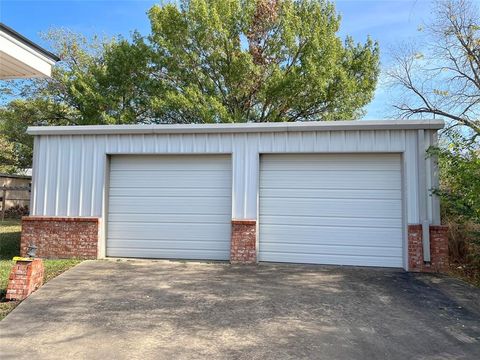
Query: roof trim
(237, 128)
(28, 42)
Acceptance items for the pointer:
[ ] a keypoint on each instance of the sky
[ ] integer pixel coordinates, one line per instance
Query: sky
(390, 22)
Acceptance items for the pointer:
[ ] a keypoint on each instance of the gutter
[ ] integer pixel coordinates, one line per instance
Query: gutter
(20, 38)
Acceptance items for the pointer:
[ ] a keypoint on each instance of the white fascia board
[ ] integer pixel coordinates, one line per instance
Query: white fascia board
(237, 128)
(30, 57)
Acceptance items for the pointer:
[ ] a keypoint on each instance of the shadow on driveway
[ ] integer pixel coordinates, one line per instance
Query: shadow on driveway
(144, 309)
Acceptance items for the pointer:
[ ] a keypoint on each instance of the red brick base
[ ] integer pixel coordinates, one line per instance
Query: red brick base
(244, 239)
(61, 237)
(26, 277)
(438, 249)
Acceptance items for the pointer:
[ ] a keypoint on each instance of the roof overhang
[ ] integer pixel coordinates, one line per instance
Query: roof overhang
(238, 127)
(21, 58)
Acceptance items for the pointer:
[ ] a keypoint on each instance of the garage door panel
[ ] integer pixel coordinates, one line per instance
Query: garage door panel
(344, 221)
(367, 162)
(169, 254)
(169, 218)
(170, 191)
(168, 244)
(180, 205)
(353, 260)
(331, 250)
(332, 193)
(167, 231)
(331, 180)
(170, 206)
(193, 180)
(168, 163)
(334, 235)
(331, 209)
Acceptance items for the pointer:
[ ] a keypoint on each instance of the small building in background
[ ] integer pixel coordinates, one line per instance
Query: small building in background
(17, 190)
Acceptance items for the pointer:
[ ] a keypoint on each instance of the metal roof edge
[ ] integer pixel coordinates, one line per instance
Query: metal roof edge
(237, 128)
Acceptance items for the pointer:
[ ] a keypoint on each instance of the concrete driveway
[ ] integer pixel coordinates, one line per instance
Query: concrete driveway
(160, 310)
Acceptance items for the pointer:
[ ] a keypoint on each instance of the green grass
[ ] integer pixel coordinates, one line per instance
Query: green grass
(10, 247)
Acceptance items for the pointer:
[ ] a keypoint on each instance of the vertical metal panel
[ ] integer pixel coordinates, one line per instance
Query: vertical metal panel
(69, 170)
(35, 166)
(411, 177)
(238, 178)
(63, 171)
(251, 176)
(76, 165)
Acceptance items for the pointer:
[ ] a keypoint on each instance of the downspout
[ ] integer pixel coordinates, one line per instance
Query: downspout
(422, 198)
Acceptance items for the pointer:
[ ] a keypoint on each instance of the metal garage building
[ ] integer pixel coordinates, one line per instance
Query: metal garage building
(347, 193)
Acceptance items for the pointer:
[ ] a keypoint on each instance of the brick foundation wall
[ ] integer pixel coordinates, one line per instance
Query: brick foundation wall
(25, 277)
(61, 237)
(244, 240)
(438, 249)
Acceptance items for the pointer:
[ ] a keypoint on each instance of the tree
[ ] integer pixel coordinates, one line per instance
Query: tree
(256, 61)
(95, 83)
(205, 61)
(444, 79)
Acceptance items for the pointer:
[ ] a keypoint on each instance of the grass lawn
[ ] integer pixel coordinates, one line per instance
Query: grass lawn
(10, 247)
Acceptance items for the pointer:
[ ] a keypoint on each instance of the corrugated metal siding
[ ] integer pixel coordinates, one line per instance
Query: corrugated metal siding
(69, 171)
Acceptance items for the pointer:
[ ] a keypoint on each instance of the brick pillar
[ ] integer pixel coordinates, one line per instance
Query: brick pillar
(243, 244)
(438, 249)
(25, 277)
(415, 248)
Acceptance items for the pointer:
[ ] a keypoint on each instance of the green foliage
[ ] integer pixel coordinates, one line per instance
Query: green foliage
(205, 61)
(91, 85)
(459, 191)
(459, 165)
(14, 120)
(249, 60)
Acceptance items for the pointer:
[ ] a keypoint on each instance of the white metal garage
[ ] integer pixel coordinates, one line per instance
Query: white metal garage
(343, 192)
(171, 206)
(331, 209)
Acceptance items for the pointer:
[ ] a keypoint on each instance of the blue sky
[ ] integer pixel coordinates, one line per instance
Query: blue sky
(388, 21)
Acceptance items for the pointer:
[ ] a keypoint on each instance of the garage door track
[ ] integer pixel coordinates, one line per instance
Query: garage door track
(184, 310)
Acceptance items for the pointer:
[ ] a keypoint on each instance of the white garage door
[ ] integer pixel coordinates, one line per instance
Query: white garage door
(170, 207)
(331, 209)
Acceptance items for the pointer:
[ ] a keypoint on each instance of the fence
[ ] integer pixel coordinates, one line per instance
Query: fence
(13, 195)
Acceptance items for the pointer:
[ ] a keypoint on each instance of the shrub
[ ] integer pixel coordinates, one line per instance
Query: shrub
(459, 191)
(16, 212)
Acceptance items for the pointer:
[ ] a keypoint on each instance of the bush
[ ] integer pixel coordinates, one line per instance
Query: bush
(459, 191)
(464, 249)
(16, 212)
